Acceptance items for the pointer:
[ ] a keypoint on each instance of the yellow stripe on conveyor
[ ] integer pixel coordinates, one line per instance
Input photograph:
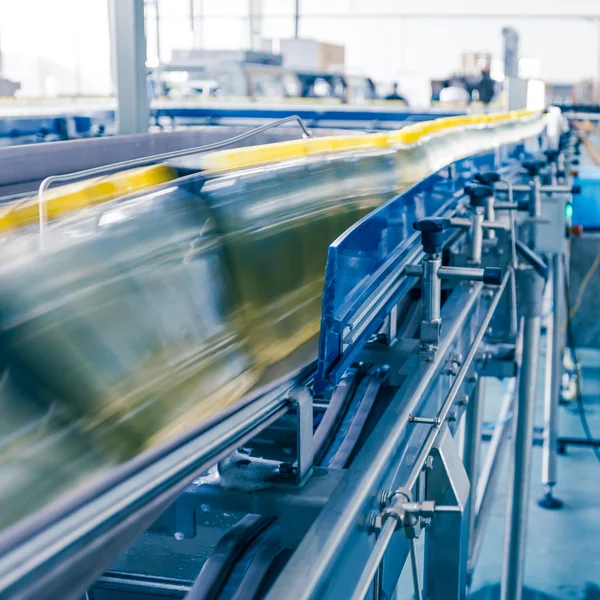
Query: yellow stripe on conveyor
(71, 198)
(256, 156)
(66, 199)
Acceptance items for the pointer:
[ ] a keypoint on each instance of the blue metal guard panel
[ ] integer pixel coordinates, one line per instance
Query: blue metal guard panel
(361, 263)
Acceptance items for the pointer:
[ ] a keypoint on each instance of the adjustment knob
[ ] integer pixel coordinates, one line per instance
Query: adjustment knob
(576, 188)
(487, 178)
(492, 276)
(532, 167)
(432, 233)
(551, 155)
(478, 192)
(575, 162)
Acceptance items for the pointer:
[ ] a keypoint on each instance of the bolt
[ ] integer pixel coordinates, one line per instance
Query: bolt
(383, 497)
(428, 466)
(453, 368)
(205, 507)
(286, 468)
(374, 522)
(451, 417)
(500, 251)
(179, 536)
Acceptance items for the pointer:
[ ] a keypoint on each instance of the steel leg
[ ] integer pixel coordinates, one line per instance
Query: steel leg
(530, 294)
(554, 379)
(489, 476)
(472, 434)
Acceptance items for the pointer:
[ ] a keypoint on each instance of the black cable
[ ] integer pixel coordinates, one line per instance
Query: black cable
(571, 344)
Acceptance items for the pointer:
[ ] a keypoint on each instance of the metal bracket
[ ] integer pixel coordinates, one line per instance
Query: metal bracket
(243, 472)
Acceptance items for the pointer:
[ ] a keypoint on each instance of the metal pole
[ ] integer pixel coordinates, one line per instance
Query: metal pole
(414, 566)
(598, 71)
(297, 20)
(366, 578)
(157, 26)
(554, 348)
(129, 47)
(516, 523)
(472, 444)
(489, 477)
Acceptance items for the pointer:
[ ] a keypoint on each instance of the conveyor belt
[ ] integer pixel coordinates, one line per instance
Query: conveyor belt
(153, 301)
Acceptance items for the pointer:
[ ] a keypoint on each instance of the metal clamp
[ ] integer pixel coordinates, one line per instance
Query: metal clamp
(431, 272)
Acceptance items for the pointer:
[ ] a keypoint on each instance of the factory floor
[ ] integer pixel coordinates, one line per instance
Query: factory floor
(563, 546)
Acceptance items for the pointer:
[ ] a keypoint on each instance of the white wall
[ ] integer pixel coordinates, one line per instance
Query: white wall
(65, 43)
(56, 46)
(383, 44)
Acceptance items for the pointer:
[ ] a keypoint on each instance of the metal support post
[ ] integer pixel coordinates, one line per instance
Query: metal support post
(535, 209)
(490, 216)
(297, 20)
(446, 543)
(432, 292)
(554, 347)
(129, 47)
(530, 288)
(474, 418)
(476, 235)
(489, 477)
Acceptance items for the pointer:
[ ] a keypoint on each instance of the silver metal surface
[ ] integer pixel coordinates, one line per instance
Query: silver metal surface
(366, 578)
(489, 476)
(321, 546)
(476, 236)
(472, 446)
(302, 399)
(446, 548)
(432, 301)
(458, 381)
(414, 567)
(441, 431)
(490, 216)
(518, 498)
(554, 348)
(129, 51)
(461, 274)
(191, 458)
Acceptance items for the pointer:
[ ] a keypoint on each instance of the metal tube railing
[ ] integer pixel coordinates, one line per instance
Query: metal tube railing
(148, 160)
(389, 525)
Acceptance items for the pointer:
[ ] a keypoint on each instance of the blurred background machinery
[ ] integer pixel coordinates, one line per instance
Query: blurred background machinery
(281, 321)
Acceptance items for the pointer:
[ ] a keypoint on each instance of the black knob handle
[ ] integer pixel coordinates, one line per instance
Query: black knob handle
(432, 233)
(487, 178)
(492, 275)
(561, 174)
(576, 189)
(575, 162)
(478, 192)
(532, 167)
(523, 205)
(551, 155)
